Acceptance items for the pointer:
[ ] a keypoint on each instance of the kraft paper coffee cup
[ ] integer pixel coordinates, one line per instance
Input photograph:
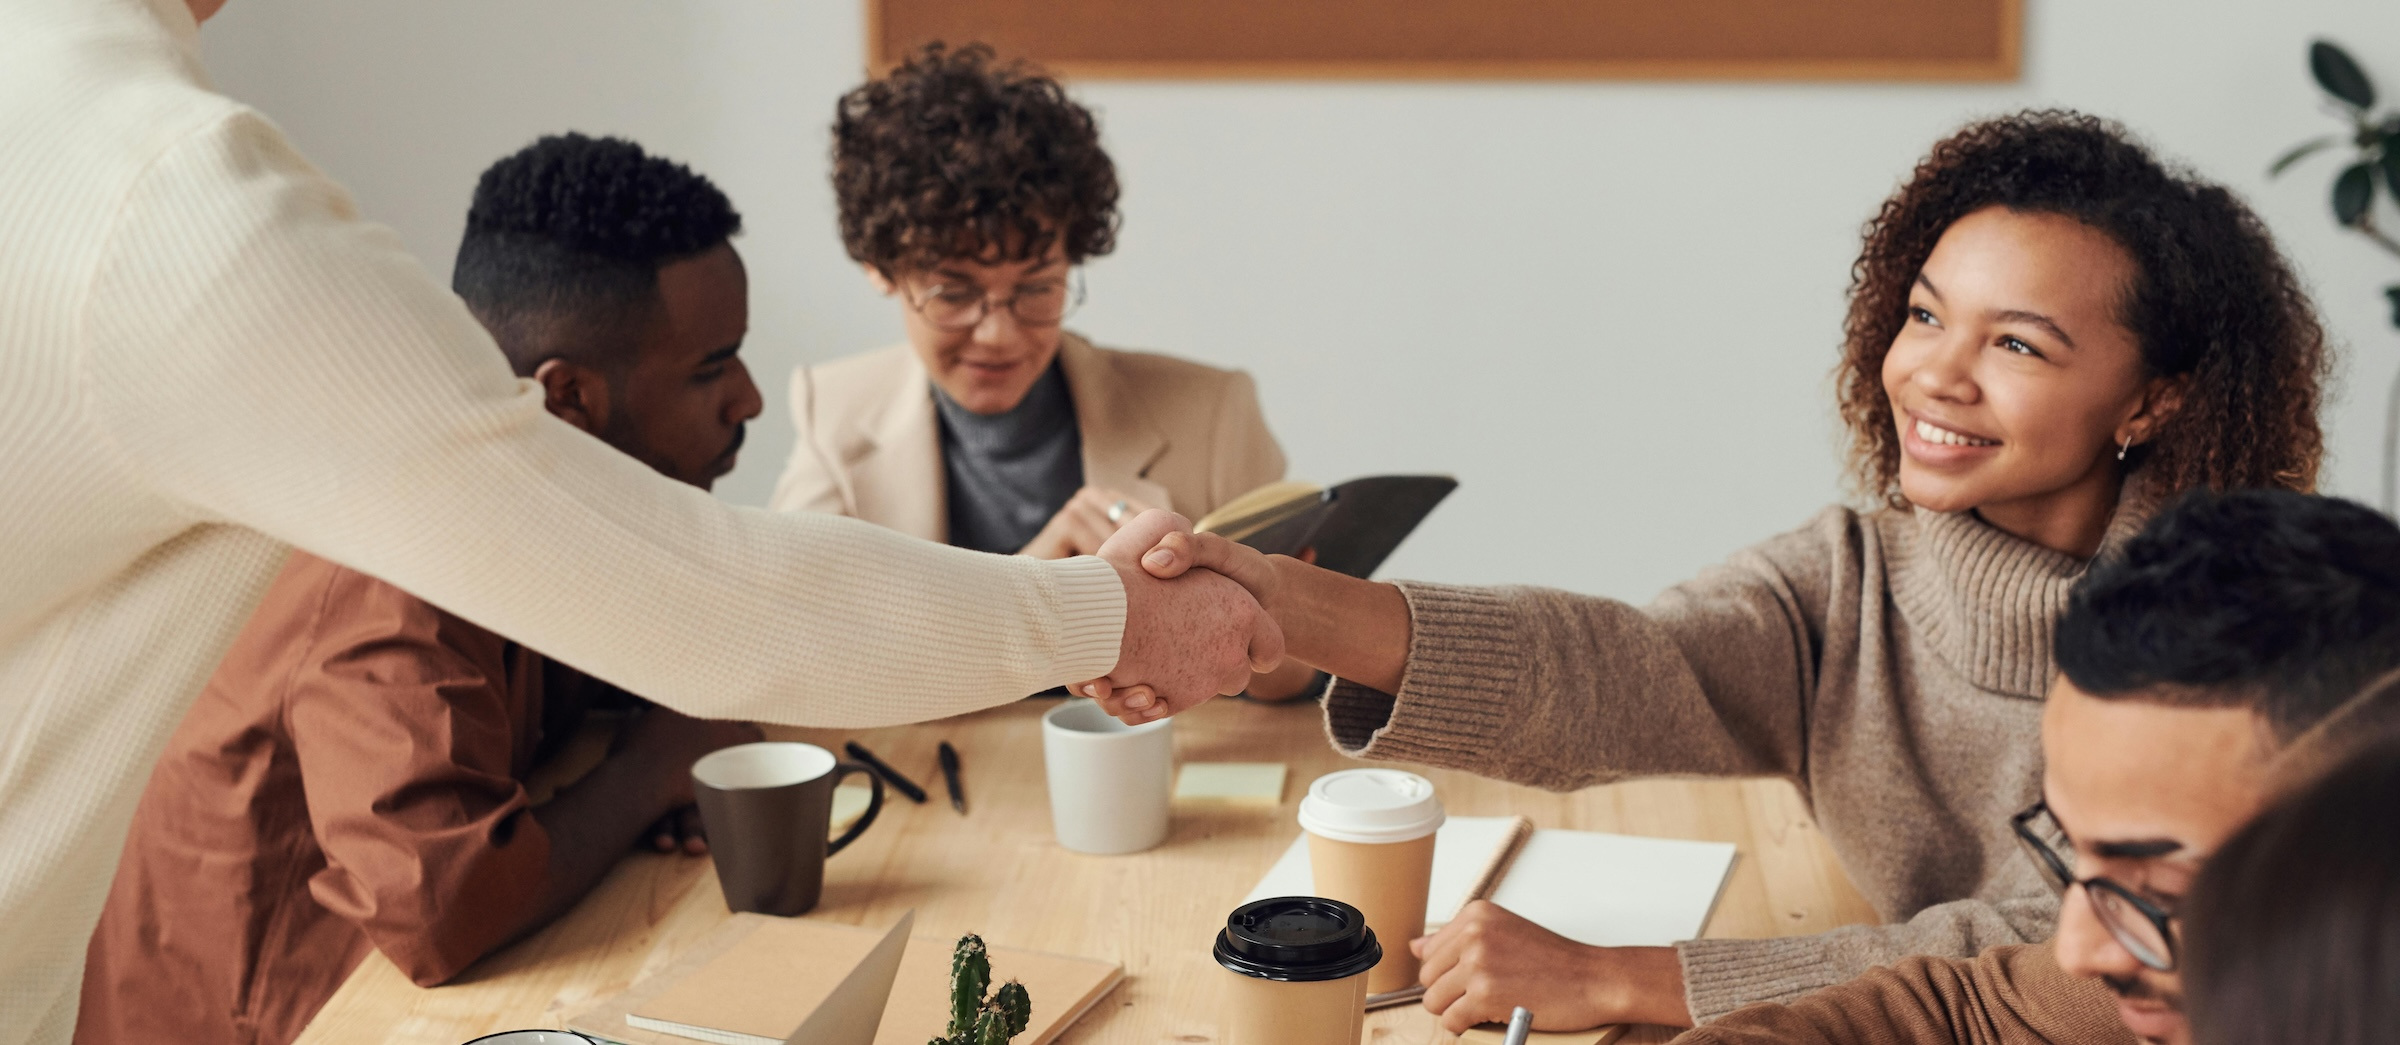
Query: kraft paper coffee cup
(1299, 966)
(1370, 842)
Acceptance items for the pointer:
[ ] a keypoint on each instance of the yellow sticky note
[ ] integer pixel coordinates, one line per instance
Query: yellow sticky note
(1231, 783)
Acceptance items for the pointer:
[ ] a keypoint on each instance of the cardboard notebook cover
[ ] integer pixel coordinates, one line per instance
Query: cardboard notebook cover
(776, 971)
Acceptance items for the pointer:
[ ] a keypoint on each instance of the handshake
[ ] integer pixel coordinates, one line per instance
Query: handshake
(1202, 613)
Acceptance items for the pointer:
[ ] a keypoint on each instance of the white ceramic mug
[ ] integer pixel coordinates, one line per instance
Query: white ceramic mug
(1110, 783)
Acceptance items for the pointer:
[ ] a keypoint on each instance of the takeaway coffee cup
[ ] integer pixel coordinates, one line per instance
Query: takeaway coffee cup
(766, 807)
(1299, 966)
(1370, 842)
(1110, 783)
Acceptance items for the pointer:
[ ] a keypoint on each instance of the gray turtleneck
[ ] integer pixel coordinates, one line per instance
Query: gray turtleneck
(1008, 473)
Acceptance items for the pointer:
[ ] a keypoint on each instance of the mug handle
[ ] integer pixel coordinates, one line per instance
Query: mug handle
(874, 804)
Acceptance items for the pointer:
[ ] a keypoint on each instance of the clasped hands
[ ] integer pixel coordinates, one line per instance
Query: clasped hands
(1197, 622)
(1203, 612)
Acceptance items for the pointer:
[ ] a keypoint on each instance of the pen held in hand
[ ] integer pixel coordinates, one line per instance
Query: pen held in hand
(890, 776)
(958, 794)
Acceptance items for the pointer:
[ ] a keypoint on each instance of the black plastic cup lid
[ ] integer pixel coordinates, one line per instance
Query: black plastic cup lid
(1297, 939)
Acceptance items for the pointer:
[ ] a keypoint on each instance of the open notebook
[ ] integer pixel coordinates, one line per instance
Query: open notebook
(1601, 889)
(1353, 526)
(761, 980)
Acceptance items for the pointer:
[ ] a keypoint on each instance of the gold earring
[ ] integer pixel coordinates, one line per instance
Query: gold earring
(2125, 449)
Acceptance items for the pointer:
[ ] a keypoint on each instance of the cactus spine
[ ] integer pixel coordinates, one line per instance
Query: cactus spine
(975, 1020)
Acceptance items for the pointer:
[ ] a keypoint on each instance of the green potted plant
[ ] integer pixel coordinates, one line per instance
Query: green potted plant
(974, 1018)
(2373, 168)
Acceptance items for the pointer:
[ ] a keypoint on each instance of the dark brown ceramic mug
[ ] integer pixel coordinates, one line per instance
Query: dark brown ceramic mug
(767, 807)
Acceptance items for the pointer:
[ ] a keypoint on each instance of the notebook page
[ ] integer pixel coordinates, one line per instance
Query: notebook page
(1616, 890)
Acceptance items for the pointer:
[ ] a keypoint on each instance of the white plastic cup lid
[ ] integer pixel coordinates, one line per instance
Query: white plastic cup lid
(1371, 806)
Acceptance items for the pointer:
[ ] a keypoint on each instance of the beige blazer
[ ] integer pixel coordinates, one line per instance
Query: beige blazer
(1160, 430)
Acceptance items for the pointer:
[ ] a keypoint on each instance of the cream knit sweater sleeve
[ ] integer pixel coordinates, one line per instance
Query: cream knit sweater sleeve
(260, 355)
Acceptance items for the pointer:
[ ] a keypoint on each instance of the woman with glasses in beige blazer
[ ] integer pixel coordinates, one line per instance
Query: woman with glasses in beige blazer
(969, 191)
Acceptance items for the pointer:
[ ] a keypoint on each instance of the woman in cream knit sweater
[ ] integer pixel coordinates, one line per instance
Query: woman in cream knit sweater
(2049, 331)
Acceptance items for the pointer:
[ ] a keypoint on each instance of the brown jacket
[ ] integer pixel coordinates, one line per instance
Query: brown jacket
(1163, 431)
(1891, 664)
(349, 780)
(2004, 996)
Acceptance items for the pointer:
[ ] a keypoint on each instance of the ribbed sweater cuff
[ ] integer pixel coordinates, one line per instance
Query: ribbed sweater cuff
(1720, 976)
(1465, 662)
(1091, 617)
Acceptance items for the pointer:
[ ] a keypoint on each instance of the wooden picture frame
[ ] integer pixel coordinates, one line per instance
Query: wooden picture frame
(1941, 40)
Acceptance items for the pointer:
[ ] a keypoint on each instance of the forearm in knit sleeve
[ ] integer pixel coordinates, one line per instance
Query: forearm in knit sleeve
(1563, 691)
(263, 357)
(2006, 996)
(1720, 976)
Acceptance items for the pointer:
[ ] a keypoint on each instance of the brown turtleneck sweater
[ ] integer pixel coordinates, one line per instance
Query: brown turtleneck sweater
(1891, 664)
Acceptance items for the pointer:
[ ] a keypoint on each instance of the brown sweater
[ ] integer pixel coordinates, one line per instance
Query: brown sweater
(2005, 996)
(1890, 664)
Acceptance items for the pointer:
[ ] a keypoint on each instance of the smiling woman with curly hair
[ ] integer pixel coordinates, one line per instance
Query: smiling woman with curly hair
(970, 191)
(2049, 332)
(2219, 318)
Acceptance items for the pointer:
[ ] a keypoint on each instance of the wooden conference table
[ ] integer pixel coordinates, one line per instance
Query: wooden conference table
(999, 872)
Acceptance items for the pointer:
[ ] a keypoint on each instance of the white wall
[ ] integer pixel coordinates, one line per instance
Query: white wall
(1609, 308)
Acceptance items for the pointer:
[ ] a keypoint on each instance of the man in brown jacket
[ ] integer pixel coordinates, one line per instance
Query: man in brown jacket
(354, 777)
(2229, 627)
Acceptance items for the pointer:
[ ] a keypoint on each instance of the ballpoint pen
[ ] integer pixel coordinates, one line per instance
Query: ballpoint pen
(958, 794)
(890, 776)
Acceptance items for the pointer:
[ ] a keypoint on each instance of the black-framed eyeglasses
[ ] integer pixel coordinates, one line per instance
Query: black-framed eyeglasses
(2145, 930)
(1037, 303)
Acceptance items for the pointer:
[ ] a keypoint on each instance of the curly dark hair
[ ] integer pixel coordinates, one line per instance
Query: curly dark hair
(2284, 603)
(2213, 300)
(955, 154)
(565, 239)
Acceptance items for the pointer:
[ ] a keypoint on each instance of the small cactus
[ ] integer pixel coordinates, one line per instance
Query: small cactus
(975, 1020)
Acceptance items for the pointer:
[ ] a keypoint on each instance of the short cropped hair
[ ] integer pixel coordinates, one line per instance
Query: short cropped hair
(2212, 302)
(565, 239)
(2292, 932)
(2285, 603)
(958, 155)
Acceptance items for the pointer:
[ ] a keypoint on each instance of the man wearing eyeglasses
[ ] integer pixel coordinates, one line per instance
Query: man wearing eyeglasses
(970, 190)
(2188, 665)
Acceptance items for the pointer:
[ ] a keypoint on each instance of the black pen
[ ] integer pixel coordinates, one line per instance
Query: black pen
(958, 795)
(890, 776)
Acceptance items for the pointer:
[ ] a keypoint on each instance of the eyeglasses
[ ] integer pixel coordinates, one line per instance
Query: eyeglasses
(2141, 927)
(1041, 303)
